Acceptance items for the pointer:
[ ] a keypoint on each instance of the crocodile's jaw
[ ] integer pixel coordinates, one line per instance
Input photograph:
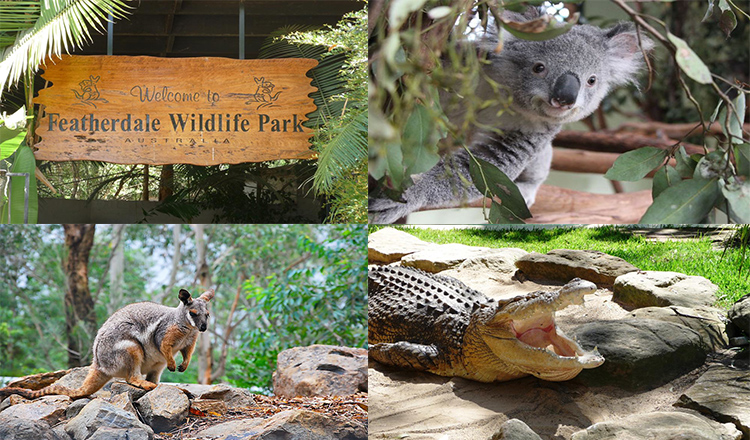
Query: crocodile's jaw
(535, 346)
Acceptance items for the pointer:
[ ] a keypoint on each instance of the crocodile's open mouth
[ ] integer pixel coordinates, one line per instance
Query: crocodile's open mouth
(541, 332)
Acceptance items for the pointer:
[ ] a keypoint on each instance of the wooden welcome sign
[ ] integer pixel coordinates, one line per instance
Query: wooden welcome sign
(156, 111)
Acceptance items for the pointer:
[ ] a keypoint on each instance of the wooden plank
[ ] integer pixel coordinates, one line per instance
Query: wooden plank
(156, 111)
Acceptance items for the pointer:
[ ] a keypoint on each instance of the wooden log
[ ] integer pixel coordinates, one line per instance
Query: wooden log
(675, 131)
(157, 111)
(615, 142)
(581, 161)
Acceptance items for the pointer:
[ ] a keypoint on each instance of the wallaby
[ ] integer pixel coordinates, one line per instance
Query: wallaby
(139, 339)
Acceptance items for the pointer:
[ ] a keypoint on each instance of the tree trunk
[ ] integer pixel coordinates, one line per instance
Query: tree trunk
(116, 270)
(203, 277)
(166, 182)
(79, 305)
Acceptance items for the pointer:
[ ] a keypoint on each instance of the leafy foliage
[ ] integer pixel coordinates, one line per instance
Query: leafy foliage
(321, 304)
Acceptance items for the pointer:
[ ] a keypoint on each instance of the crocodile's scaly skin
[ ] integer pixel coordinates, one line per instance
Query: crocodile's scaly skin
(438, 324)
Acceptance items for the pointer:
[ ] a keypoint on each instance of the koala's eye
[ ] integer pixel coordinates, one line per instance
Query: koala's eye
(538, 68)
(591, 81)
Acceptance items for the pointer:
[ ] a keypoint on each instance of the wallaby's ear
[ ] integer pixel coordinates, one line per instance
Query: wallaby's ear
(207, 295)
(185, 297)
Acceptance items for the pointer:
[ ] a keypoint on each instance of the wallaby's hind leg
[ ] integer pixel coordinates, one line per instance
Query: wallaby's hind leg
(132, 365)
(94, 381)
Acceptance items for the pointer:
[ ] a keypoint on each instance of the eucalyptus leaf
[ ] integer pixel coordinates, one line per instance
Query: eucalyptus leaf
(687, 202)
(489, 180)
(419, 142)
(394, 165)
(400, 11)
(685, 165)
(23, 162)
(553, 30)
(742, 156)
(735, 121)
(738, 197)
(664, 177)
(727, 22)
(635, 165)
(709, 10)
(689, 61)
(502, 215)
(439, 12)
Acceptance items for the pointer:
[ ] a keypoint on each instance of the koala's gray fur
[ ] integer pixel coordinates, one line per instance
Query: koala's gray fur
(541, 103)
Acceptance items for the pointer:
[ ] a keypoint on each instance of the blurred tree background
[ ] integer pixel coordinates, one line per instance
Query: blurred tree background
(277, 286)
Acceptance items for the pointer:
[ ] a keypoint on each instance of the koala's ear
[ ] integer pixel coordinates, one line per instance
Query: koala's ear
(624, 56)
(185, 297)
(207, 295)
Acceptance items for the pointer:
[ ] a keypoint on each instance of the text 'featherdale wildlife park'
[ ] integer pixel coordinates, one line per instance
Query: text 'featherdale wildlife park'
(202, 111)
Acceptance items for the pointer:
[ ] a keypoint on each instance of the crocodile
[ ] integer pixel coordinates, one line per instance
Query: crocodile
(435, 323)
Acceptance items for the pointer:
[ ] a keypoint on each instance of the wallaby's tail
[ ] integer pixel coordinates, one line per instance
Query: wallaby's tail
(93, 383)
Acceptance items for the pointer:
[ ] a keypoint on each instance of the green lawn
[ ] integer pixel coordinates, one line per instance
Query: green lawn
(691, 257)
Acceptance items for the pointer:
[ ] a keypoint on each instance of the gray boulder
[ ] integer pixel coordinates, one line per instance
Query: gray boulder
(562, 265)
(76, 407)
(123, 401)
(706, 321)
(119, 387)
(389, 245)
(739, 317)
(49, 409)
(105, 433)
(723, 394)
(164, 408)
(13, 428)
(230, 397)
(659, 425)
(661, 289)
(320, 370)
(515, 429)
(639, 353)
(290, 424)
(101, 414)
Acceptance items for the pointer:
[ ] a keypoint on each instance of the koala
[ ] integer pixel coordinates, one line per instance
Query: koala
(549, 83)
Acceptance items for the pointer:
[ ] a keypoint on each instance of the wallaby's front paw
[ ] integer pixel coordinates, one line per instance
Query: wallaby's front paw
(386, 211)
(172, 367)
(182, 368)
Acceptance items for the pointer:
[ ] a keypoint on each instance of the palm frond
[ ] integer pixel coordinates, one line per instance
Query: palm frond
(344, 150)
(62, 25)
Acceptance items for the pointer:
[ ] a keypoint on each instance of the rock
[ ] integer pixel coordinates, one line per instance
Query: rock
(13, 428)
(440, 257)
(659, 425)
(723, 394)
(195, 389)
(208, 406)
(164, 408)
(389, 245)
(661, 289)
(119, 387)
(739, 316)
(49, 409)
(59, 432)
(320, 370)
(290, 424)
(39, 381)
(639, 353)
(490, 271)
(562, 265)
(123, 401)
(706, 321)
(13, 399)
(105, 433)
(231, 397)
(76, 407)
(515, 429)
(101, 414)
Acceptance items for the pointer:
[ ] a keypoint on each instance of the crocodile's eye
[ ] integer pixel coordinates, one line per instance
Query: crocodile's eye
(591, 81)
(538, 68)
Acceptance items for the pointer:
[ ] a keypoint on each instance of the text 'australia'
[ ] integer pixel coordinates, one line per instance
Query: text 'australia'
(179, 122)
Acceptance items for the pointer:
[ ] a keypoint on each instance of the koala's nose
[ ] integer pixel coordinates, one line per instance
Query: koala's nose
(565, 90)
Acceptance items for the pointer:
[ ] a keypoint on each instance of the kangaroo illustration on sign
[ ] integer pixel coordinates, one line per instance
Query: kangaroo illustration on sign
(89, 92)
(264, 94)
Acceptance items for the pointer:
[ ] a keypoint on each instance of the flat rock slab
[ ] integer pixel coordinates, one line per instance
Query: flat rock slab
(639, 353)
(707, 322)
(440, 257)
(515, 429)
(562, 265)
(38, 381)
(49, 409)
(722, 393)
(389, 245)
(14, 428)
(661, 289)
(491, 272)
(660, 425)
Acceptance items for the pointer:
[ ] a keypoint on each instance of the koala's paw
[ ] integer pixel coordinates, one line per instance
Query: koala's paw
(385, 210)
(182, 368)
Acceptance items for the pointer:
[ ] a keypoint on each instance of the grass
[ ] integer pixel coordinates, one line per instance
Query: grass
(691, 257)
